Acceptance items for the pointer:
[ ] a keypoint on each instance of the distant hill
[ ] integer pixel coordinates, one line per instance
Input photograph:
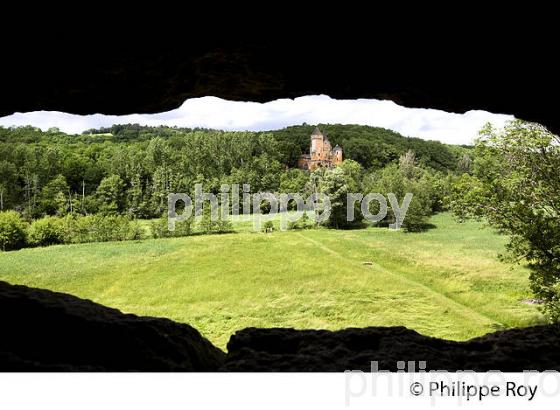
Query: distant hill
(372, 147)
(48, 172)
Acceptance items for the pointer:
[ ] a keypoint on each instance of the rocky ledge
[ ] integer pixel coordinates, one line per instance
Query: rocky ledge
(49, 331)
(534, 348)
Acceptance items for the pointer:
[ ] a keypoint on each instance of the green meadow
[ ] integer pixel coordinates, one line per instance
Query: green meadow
(445, 282)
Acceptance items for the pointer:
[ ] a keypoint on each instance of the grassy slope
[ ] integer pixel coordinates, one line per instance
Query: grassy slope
(445, 282)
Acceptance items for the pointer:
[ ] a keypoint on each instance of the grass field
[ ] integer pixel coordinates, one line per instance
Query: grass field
(444, 282)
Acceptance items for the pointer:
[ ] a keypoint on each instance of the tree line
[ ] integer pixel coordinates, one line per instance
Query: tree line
(129, 169)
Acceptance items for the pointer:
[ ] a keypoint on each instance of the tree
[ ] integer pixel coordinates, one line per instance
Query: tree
(515, 187)
(12, 231)
(8, 186)
(111, 195)
(160, 228)
(361, 150)
(401, 180)
(54, 198)
(407, 165)
(293, 181)
(464, 165)
(336, 183)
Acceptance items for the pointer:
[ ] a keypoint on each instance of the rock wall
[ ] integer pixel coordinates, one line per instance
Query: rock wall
(48, 331)
(43, 330)
(141, 68)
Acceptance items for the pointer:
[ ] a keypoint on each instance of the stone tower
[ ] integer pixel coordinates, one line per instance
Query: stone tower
(337, 151)
(321, 153)
(316, 144)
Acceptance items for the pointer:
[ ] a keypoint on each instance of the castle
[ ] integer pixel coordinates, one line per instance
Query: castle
(321, 154)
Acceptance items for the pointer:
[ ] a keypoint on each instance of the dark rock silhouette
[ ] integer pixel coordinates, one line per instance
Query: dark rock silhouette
(135, 70)
(534, 348)
(49, 331)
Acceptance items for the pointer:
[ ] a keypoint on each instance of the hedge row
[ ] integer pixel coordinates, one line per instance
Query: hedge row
(15, 233)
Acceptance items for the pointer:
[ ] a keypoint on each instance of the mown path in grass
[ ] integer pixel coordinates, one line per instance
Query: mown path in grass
(445, 282)
(438, 297)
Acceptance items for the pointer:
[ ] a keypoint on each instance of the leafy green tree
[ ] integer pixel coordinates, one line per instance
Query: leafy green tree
(441, 190)
(136, 201)
(293, 181)
(111, 195)
(301, 223)
(337, 183)
(515, 187)
(8, 184)
(394, 179)
(353, 173)
(361, 150)
(54, 198)
(12, 231)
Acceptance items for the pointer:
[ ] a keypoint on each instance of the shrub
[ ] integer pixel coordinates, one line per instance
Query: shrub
(102, 228)
(159, 228)
(302, 223)
(268, 226)
(12, 231)
(214, 225)
(46, 231)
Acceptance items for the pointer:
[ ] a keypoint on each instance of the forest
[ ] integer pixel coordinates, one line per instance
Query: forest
(130, 169)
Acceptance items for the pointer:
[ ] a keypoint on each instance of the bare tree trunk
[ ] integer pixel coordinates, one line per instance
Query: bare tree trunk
(83, 196)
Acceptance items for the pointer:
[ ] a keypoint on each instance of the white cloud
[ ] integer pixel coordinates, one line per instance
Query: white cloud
(212, 112)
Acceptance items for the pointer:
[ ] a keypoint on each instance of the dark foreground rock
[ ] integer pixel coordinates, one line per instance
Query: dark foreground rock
(534, 348)
(42, 330)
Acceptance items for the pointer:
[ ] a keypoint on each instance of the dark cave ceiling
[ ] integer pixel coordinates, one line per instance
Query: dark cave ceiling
(66, 68)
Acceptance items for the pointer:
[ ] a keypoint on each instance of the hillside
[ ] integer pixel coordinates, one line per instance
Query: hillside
(130, 168)
(375, 147)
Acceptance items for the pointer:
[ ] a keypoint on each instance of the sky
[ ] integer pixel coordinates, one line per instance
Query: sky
(216, 113)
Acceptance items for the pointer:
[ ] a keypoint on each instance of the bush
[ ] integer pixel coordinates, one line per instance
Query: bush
(302, 223)
(268, 226)
(46, 231)
(12, 231)
(159, 228)
(101, 228)
(210, 225)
